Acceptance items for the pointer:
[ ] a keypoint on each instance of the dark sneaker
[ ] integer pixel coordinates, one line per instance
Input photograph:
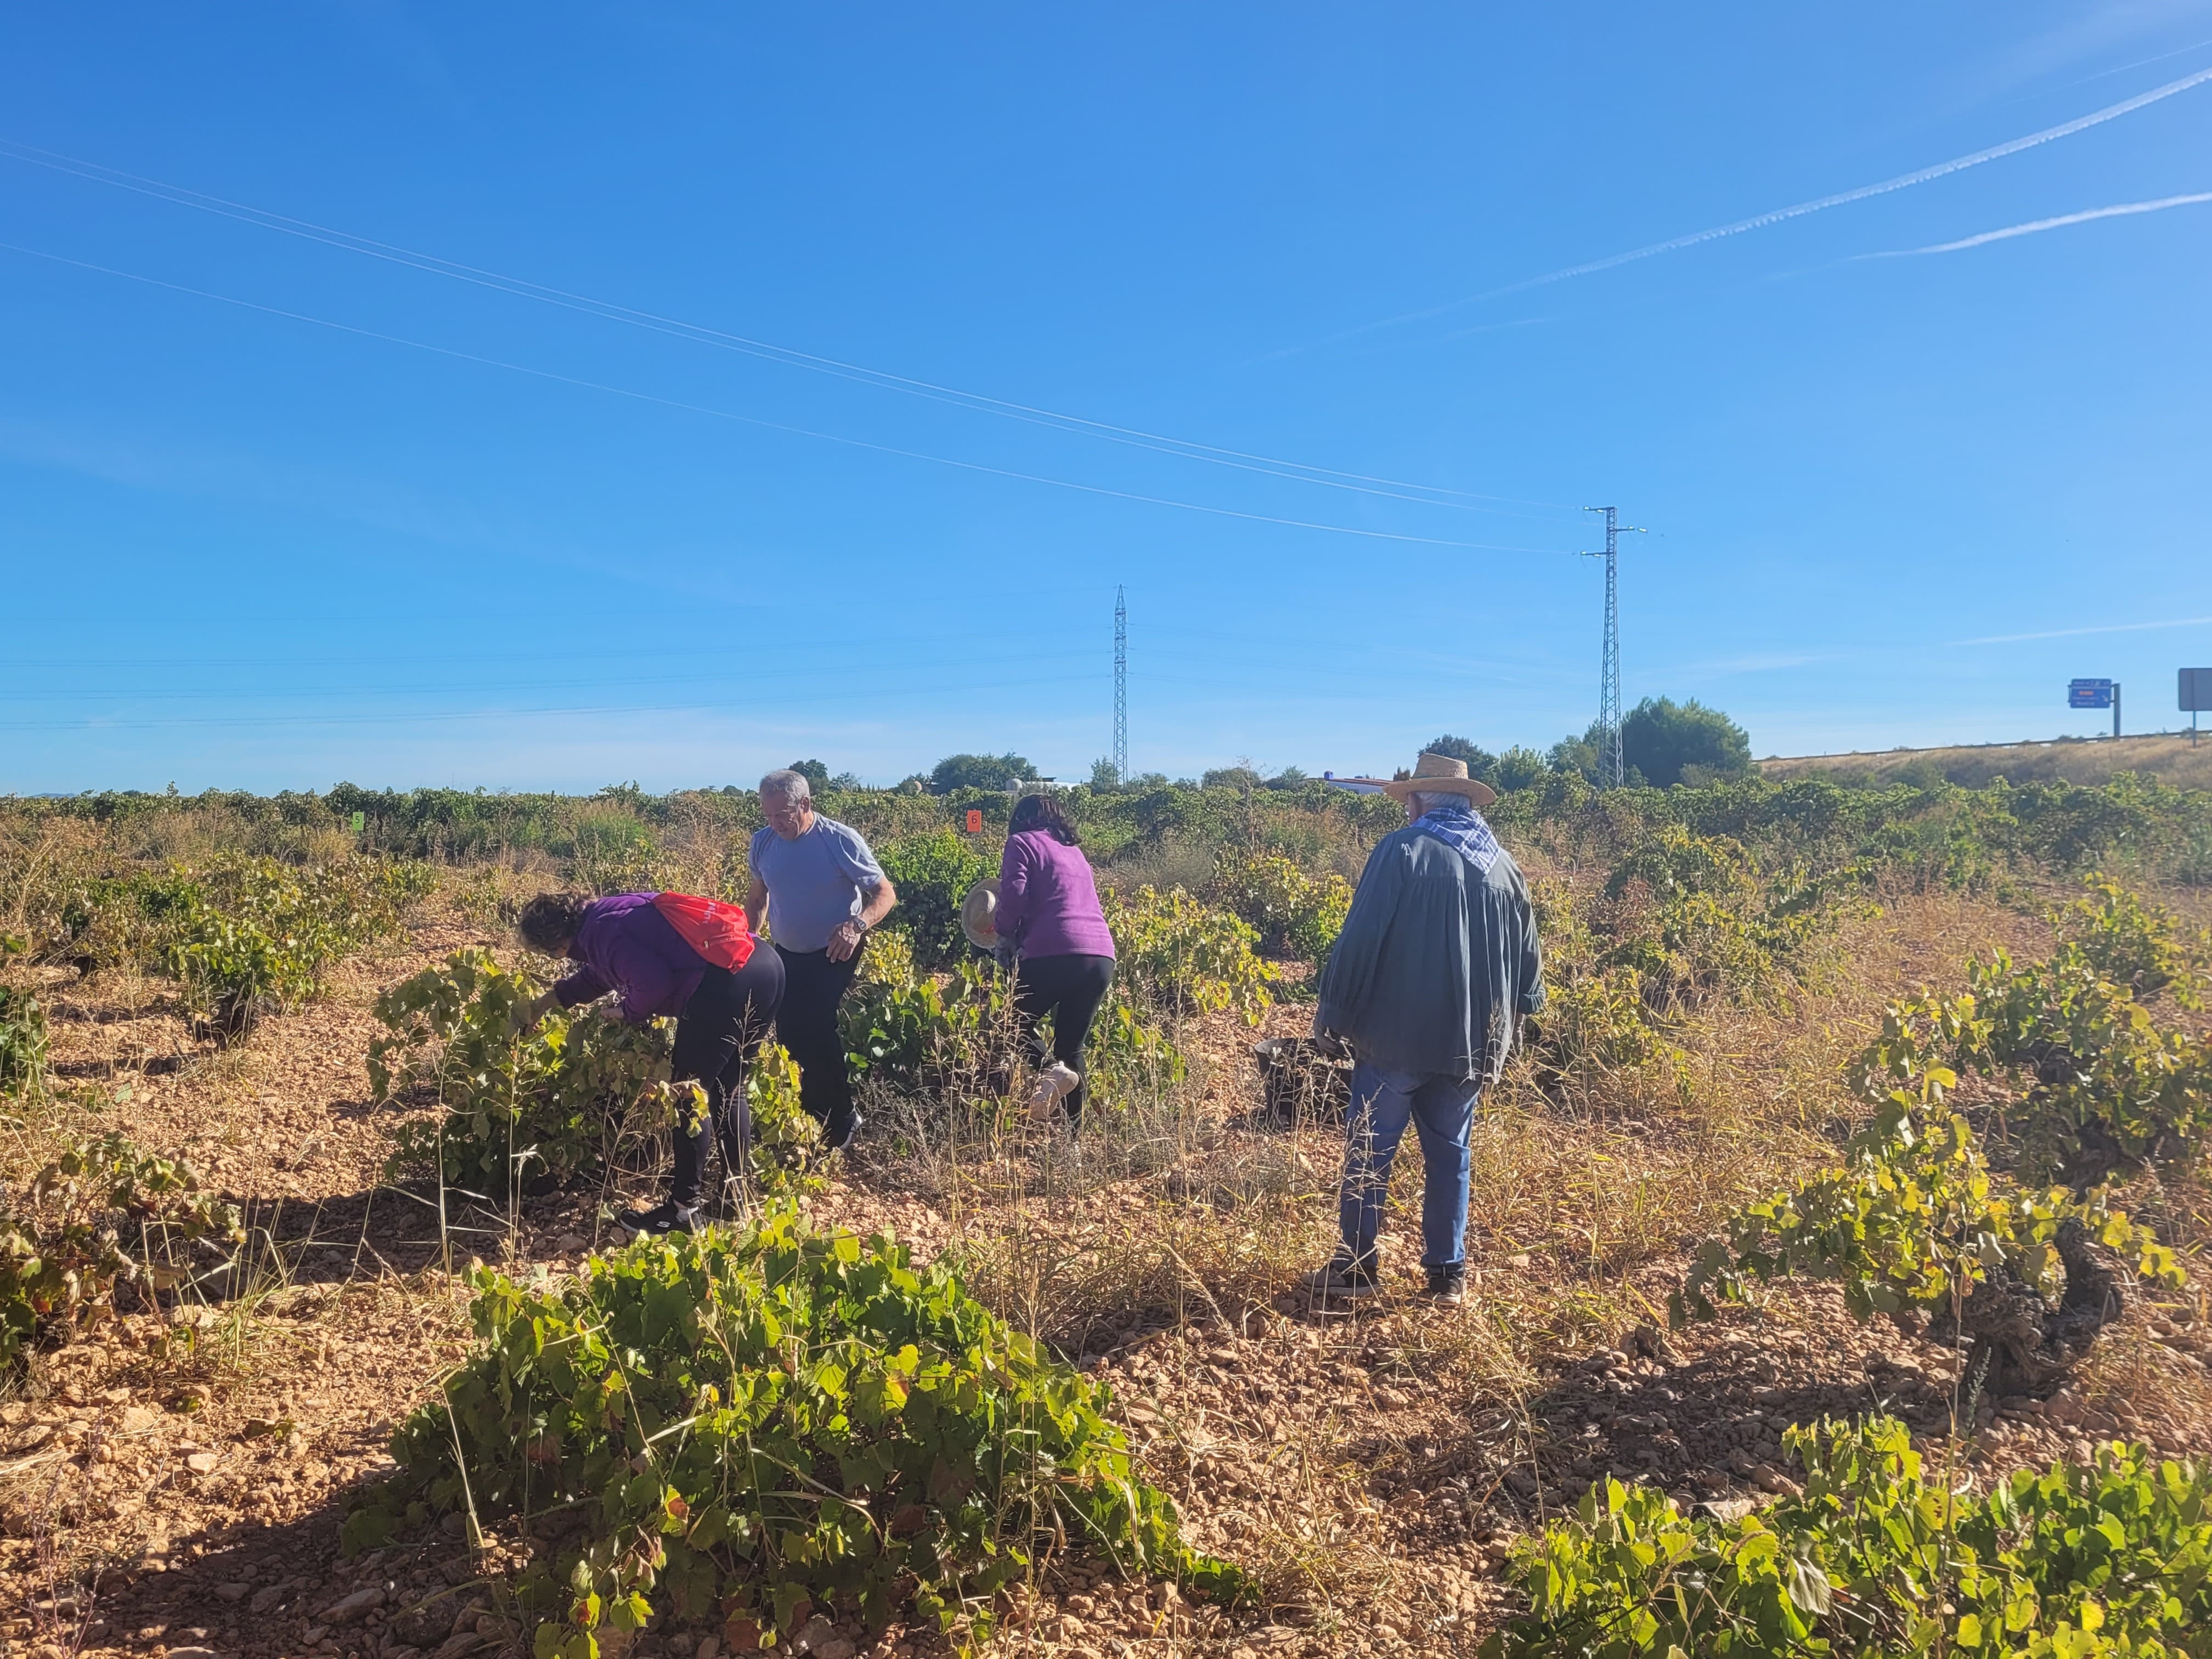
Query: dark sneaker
(1449, 1285)
(663, 1217)
(843, 1142)
(1341, 1281)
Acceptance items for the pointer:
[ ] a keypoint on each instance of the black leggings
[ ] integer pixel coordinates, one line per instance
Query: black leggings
(1070, 989)
(721, 1028)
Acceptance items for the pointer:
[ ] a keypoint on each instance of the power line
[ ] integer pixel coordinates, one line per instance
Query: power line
(755, 420)
(93, 723)
(1610, 763)
(703, 334)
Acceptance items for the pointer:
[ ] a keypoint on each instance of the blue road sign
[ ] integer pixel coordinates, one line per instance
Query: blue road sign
(2089, 694)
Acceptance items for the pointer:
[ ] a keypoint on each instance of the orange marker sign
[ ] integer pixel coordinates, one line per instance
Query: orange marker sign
(975, 821)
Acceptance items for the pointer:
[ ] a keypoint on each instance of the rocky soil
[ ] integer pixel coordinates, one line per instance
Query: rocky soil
(172, 1487)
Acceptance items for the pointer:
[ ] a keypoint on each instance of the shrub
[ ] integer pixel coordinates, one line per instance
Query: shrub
(1715, 923)
(528, 1109)
(2111, 1089)
(1185, 956)
(246, 933)
(2139, 945)
(787, 1142)
(1914, 1221)
(906, 1031)
(103, 1214)
(513, 1108)
(1597, 1023)
(1297, 915)
(762, 1423)
(2108, 1089)
(1596, 1018)
(2106, 1558)
(616, 853)
(22, 1043)
(920, 1038)
(933, 873)
(1131, 1059)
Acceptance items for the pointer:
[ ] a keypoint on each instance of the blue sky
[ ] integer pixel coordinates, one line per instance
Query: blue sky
(664, 475)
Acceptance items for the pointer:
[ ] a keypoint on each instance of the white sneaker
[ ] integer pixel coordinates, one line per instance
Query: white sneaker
(1052, 1082)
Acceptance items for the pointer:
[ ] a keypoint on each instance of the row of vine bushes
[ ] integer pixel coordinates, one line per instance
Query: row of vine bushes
(240, 934)
(1940, 832)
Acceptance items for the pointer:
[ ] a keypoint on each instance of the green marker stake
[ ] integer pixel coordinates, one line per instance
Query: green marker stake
(360, 822)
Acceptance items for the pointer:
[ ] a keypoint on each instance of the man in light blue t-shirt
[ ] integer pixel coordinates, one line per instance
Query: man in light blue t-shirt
(817, 890)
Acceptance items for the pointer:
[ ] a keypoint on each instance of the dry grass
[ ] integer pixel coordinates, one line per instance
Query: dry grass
(2170, 755)
(1366, 1468)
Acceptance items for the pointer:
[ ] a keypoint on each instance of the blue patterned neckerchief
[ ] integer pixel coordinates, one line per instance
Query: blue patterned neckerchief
(1465, 831)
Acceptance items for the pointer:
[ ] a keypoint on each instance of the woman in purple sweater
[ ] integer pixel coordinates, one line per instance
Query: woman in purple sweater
(678, 956)
(1048, 913)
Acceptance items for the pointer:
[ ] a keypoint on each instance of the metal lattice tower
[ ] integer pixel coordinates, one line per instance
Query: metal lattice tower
(1121, 685)
(1612, 771)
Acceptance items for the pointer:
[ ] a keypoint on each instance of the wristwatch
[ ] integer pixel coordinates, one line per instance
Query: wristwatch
(860, 923)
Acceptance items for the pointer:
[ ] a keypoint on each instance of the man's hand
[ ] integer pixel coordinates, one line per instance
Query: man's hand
(875, 904)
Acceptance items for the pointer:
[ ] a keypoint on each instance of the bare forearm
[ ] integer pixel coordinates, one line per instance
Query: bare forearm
(878, 905)
(756, 905)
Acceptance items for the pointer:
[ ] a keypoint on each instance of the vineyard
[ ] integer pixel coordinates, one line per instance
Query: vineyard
(1837, 1252)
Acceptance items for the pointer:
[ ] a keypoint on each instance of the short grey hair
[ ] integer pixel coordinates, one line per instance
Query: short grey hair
(787, 785)
(1425, 803)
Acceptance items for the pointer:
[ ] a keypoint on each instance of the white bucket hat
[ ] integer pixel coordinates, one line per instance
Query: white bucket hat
(977, 912)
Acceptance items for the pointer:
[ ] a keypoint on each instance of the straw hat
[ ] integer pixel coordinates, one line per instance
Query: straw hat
(1435, 775)
(976, 911)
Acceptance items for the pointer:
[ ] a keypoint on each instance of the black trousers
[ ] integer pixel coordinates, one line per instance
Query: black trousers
(813, 986)
(1070, 989)
(721, 1027)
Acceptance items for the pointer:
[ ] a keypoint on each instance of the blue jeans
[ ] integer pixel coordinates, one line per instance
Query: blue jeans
(1442, 1110)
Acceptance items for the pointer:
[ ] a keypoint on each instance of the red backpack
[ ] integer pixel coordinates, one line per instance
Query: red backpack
(716, 931)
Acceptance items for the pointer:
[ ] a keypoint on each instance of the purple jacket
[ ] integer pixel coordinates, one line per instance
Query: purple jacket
(1048, 899)
(626, 945)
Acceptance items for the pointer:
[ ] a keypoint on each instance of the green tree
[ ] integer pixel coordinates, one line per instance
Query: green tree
(1289, 778)
(1232, 777)
(816, 773)
(1481, 763)
(1578, 755)
(1104, 776)
(1663, 739)
(1520, 769)
(978, 772)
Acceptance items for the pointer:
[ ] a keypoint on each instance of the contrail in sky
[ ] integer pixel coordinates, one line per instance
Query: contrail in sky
(2033, 226)
(1775, 217)
(2069, 632)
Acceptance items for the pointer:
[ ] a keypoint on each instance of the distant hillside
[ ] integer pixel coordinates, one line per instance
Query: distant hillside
(2170, 757)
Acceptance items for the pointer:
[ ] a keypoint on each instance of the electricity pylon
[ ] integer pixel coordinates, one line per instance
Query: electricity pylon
(1612, 771)
(1121, 685)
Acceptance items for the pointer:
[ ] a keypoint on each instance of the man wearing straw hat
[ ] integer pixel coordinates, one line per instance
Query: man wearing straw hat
(1438, 961)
